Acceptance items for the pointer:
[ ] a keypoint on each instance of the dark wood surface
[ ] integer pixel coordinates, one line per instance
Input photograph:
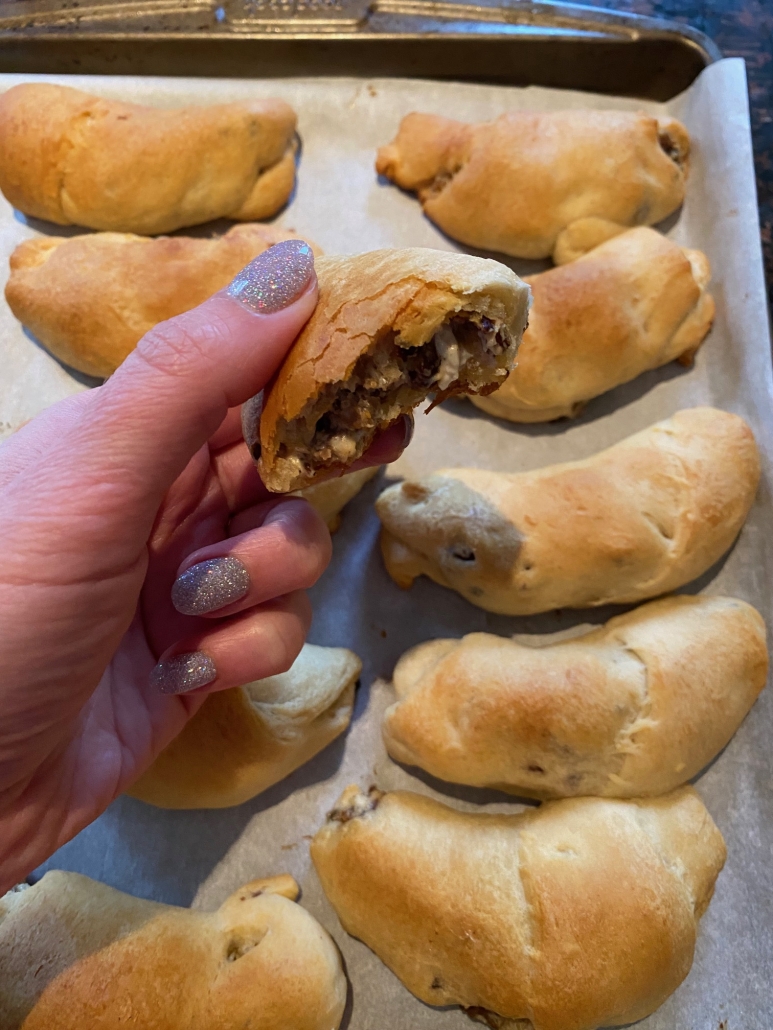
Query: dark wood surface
(741, 28)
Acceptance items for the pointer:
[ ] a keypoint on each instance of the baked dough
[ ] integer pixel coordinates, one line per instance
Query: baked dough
(634, 521)
(583, 913)
(77, 159)
(332, 495)
(90, 299)
(634, 708)
(632, 304)
(78, 955)
(391, 328)
(244, 740)
(515, 184)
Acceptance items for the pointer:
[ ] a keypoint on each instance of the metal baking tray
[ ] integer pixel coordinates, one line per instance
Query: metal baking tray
(185, 857)
(513, 42)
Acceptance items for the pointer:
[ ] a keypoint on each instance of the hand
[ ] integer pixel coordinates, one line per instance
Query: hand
(105, 500)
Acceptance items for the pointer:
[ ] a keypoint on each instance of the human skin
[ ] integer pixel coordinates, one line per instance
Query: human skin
(105, 499)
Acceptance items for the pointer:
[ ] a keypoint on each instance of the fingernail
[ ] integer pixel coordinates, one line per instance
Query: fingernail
(210, 585)
(183, 672)
(275, 278)
(251, 412)
(409, 428)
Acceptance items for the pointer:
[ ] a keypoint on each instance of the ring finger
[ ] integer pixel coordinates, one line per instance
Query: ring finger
(287, 551)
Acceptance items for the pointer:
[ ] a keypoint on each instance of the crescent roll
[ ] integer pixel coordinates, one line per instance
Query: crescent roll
(391, 328)
(78, 955)
(243, 741)
(579, 914)
(630, 305)
(517, 183)
(91, 299)
(77, 159)
(637, 520)
(332, 495)
(634, 708)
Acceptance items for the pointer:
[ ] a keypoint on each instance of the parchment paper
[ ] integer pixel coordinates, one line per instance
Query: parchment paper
(200, 857)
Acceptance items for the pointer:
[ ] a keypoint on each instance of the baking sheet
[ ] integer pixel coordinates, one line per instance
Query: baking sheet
(200, 857)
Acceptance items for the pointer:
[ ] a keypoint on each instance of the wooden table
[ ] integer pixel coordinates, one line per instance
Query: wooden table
(741, 28)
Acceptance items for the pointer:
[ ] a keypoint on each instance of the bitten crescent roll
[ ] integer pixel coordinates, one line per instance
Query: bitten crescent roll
(243, 741)
(581, 913)
(90, 299)
(630, 305)
(632, 709)
(517, 183)
(391, 328)
(636, 520)
(77, 159)
(78, 955)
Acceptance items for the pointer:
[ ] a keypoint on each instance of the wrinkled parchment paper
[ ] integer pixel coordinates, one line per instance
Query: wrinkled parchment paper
(200, 857)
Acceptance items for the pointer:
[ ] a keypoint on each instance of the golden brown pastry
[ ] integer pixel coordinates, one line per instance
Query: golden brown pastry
(515, 184)
(242, 741)
(634, 521)
(632, 304)
(391, 328)
(78, 955)
(77, 159)
(331, 496)
(90, 299)
(579, 914)
(632, 709)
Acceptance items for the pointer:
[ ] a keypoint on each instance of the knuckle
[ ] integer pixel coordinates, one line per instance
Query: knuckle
(307, 540)
(175, 347)
(303, 610)
(291, 624)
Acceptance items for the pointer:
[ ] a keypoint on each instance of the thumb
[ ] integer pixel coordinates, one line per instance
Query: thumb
(174, 390)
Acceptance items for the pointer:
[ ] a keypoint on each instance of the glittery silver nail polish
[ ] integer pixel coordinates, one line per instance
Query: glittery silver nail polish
(275, 278)
(210, 585)
(183, 672)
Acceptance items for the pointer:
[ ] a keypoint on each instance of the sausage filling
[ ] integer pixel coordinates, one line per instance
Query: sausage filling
(671, 147)
(467, 354)
(356, 806)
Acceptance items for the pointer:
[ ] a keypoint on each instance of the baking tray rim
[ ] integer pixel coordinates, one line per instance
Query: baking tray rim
(556, 22)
